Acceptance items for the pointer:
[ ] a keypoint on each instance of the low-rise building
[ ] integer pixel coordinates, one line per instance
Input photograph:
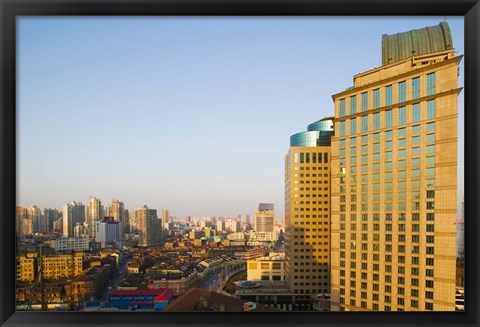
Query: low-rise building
(64, 265)
(140, 299)
(269, 268)
(26, 267)
(76, 244)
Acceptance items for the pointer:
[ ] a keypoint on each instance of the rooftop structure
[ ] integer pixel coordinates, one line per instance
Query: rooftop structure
(397, 47)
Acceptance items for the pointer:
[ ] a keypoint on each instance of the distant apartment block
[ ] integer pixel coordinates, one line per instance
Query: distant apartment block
(73, 213)
(108, 231)
(95, 213)
(149, 226)
(265, 218)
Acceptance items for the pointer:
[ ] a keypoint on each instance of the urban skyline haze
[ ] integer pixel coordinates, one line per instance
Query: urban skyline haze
(193, 114)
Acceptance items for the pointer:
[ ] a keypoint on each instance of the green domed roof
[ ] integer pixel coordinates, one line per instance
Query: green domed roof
(426, 40)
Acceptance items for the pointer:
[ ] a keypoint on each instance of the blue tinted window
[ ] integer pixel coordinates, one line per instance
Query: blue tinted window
(402, 91)
(402, 116)
(388, 118)
(342, 107)
(416, 112)
(364, 123)
(353, 104)
(376, 121)
(376, 98)
(416, 88)
(431, 84)
(430, 109)
(388, 95)
(353, 126)
(364, 101)
(342, 128)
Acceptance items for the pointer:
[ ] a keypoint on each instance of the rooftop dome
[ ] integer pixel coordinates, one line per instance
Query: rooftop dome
(422, 41)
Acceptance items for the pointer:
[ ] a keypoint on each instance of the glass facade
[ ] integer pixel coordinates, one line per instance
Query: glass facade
(317, 134)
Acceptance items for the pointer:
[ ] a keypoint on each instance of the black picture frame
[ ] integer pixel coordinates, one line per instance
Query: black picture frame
(9, 9)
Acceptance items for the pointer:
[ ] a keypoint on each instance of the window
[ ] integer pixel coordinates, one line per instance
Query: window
(376, 121)
(388, 118)
(376, 98)
(415, 151)
(364, 123)
(415, 162)
(430, 126)
(416, 129)
(401, 131)
(402, 116)
(364, 101)
(365, 138)
(430, 138)
(388, 95)
(353, 126)
(416, 112)
(401, 142)
(430, 109)
(342, 107)
(431, 84)
(353, 104)
(342, 128)
(416, 88)
(402, 91)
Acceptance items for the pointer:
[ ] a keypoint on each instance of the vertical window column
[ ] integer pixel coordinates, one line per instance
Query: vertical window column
(431, 84)
(416, 88)
(388, 95)
(402, 92)
(364, 101)
(353, 104)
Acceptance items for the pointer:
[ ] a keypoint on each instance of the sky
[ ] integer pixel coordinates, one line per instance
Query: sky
(192, 114)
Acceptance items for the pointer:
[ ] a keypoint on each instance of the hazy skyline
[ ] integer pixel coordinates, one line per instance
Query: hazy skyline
(193, 114)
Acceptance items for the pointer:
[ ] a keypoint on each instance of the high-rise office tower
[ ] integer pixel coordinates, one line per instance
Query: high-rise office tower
(94, 214)
(307, 210)
(73, 213)
(117, 210)
(149, 226)
(394, 178)
(264, 218)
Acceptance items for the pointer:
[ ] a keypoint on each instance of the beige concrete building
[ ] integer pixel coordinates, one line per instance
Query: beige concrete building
(394, 179)
(307, 210)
